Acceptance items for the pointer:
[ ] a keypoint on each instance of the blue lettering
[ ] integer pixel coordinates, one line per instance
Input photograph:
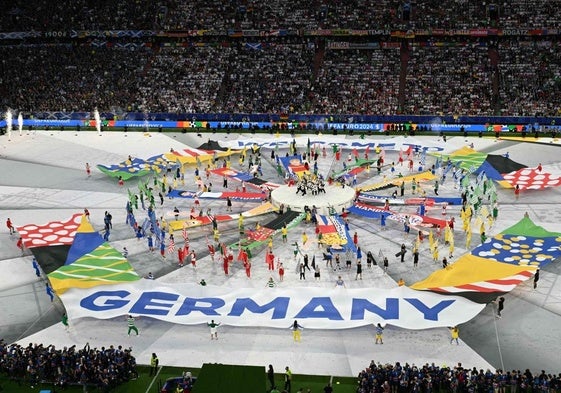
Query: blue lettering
(361, 305)
(361, 144)
(149, 304)
(386, 145)
(89, 302)
(328, 309)
(430, 313)
(279, 305)
(191, 304)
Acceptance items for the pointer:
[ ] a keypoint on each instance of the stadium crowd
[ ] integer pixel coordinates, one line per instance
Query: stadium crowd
(68, 78)
(531, 14)
(311, 74)
(530, 77)
(361, 82)
(386, 378)
(36, 364)
(201, 14)
(280, 78)
(183, 80)
(454, 80)
(44, 15)
(254, 86)
(276, 14)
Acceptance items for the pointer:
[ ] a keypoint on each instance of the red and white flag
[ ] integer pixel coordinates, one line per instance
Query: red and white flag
(184, 233)
(410, 152)
(171, 246)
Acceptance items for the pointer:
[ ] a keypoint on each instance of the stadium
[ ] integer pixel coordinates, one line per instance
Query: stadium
(407, 114)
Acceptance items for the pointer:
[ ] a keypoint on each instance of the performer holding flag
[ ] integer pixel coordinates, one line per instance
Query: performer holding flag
(171, 244)
(211, 249)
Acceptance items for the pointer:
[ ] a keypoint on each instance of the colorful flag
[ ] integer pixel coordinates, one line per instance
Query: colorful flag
(171, 246)
(184, 233)
(458, 173)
